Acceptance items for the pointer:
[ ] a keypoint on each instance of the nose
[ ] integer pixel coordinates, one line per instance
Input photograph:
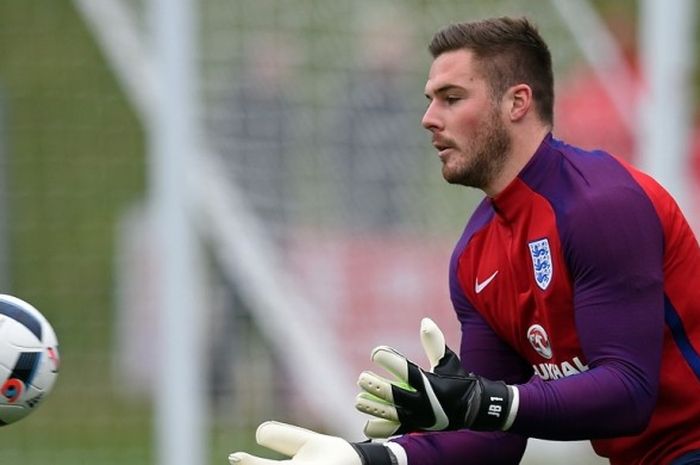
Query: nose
(430, 120)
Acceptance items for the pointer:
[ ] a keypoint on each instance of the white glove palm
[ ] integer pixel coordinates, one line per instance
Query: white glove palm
(307, 447)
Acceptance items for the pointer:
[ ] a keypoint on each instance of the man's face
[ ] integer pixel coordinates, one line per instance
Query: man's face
(465, 121)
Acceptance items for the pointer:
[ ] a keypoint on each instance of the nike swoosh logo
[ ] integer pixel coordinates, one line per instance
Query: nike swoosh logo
(441, 420)
(478, 287)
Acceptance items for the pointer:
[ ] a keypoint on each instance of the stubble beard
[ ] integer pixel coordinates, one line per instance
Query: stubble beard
(485, 157)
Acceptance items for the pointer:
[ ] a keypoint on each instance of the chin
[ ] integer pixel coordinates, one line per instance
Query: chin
(463, 178)
(455, 171)
(452, 177)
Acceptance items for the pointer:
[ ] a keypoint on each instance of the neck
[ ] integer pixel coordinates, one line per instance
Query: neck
(524, 144)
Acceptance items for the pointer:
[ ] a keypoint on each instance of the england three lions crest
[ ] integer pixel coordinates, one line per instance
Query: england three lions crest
(541, 262)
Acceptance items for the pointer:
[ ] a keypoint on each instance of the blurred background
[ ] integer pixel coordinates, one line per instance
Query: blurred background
(224, 242)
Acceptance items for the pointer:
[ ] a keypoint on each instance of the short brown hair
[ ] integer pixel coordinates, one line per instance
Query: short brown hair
(510, 51)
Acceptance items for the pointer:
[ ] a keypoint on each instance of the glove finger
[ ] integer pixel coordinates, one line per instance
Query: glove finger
(381, 429)
(376, 386)
(242, 458)
(371, 405)
(282, 437)
(433, 341)
(392, 361)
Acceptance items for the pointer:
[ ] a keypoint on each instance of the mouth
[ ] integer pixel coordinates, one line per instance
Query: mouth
(442, 146)
(442, 149)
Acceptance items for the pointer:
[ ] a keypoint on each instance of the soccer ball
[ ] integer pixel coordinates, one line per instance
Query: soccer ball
(28, 359)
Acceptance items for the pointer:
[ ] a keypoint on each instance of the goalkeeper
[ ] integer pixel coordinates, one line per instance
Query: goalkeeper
(576, 283)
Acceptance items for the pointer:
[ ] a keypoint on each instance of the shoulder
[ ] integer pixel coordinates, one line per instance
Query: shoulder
(611, 218)
(604, 215)
(613, 230)
(593, 189)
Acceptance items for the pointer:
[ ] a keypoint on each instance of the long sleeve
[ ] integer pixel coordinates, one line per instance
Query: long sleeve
(614, 251)
(463, 447)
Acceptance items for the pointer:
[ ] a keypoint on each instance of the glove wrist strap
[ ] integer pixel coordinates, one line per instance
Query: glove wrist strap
(493, 406)
(372, 453)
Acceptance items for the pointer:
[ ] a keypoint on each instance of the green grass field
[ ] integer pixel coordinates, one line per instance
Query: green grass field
(74, 161)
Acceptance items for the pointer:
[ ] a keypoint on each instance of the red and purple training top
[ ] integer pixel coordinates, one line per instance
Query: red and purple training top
(580, 284)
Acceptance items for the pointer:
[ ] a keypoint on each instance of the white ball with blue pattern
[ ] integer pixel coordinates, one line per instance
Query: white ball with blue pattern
(29, 359)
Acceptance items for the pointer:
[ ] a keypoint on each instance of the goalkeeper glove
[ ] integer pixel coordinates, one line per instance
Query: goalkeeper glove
(306, 447)
(444, 398)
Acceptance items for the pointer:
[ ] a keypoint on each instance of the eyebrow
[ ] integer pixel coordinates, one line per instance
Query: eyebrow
(444, 89)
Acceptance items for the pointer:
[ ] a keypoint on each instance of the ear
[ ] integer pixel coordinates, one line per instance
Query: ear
(519, 101)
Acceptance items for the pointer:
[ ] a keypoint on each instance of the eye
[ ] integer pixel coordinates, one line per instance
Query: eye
(452, 99)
